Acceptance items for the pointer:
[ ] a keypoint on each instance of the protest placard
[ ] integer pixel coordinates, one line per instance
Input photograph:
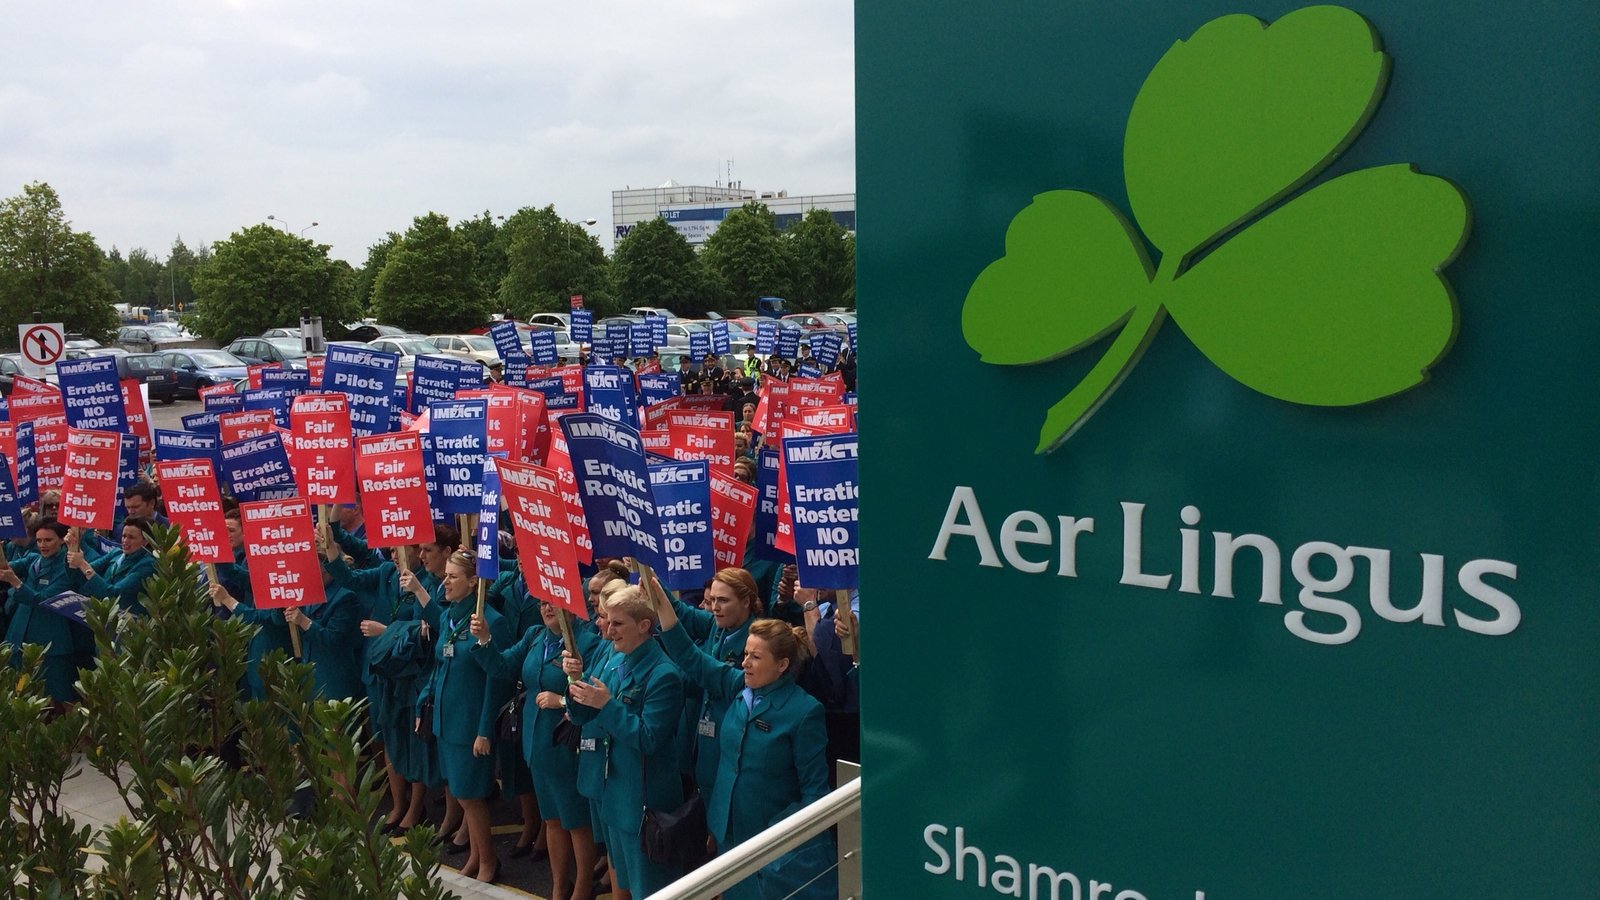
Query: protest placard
(809, 393)
(614, 487)
(487, 545)
(559, 462)
(173, 445)
(542, 347)
(545, 542)
(825, 347)
(394, 491)
(50, 451)
(399, 401)
(89, 487)
(581, 326)
(459, 431)
(714, 445)
(657, 441)
(785, 529)
(203, 423)
(127, 466)
(788, 346)
(641, 340)
(657, 387)
(507, 342)
(245, 424)
(658, 329)
(272, 399)
(368, 377)
(832, 417)
(12, 524)
(439, 378)
(807, 370)
(280, 538)
(232, 401)
(766, 338)
(608, 393)
(322, 448)
(136, 407)
(314, 369)
(293, 381)
(92, 394)
(823, 493)
(23, 465)
(221, 387)
(682, 493)
(655, 415)
(852, 327)
(253, 372)
(719, 337)
(529, 440)
(33, 399)
(571, 379)
(699, 346)
(766, 531)
(194, 504)
(258, 468)
(733, 503)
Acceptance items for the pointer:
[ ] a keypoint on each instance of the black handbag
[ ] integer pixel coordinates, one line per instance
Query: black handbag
(676, 838)
(567, 733)
(425, 721)
(510, 718)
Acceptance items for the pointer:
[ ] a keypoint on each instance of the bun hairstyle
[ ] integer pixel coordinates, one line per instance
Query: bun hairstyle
(790, 642)
(464, 559)
(446, 536)
(611, 570)
(743, 584)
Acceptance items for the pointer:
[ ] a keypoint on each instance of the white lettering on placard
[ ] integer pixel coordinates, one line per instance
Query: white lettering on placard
(1322, 570)
(1005, 874)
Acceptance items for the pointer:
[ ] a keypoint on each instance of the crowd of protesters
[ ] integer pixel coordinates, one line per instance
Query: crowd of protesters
(741, 693)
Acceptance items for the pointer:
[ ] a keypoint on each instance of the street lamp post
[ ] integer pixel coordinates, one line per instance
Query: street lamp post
(308, 228)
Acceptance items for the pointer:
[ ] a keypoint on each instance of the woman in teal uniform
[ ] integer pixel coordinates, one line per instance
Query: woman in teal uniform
(599, 660)
(719, 631)
(233, 593)
(332, 641)
(36, 578)
(509, 597)
(773, 759)
(637, 705)
(538, 657)
(119, 575)
(466, 701)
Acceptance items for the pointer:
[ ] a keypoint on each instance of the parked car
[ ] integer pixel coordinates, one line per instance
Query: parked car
(473, 347)
(282, 332)
(151, 338)
(153, 370)
(287, 352)
(363, 332)
(678, 332)
(557, 321)
(10, 368)
(642, 311)
(409, 347)
(203, 368)
(818, 322)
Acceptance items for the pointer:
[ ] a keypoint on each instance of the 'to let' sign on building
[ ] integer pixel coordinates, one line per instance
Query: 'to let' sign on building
(1270, 569)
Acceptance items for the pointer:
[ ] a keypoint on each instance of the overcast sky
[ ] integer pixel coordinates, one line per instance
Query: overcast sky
(155, 119)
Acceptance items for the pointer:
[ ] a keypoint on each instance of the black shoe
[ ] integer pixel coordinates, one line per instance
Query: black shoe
(451, 848)
(520, 850)
(441, 837)
(540, 853)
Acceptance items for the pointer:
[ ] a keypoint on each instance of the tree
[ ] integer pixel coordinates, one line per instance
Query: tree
(144, 280)
(427, 281)
(262, 277)
(746, 252)
(823, 255)
(377, 255)
(549, 259)
(489, 263)
(655, 266)
(179, 277)
(47, 267)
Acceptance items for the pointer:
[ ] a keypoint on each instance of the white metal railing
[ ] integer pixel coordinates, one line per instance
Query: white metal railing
(744, 860)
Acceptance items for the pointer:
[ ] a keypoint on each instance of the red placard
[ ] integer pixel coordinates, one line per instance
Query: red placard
(530, 429)
(701, 418)
(394, 496)
(211, 390)
(810, 393)
(195, 505)
(733, 507)
(571, 379)
(314, 367)
(243, 424)
(280, 539)
(763, 417)
(322, 449)
(253, 372)
(706, 401)
(32, 399)
(50, 451)
(8, 447)
(502, 424)
(138, 413)
(829, 417)
(559, 461)
(89, 488)
(651, 368)
(544, 534)
(655, 415)
(714, 445)
(784, 539)
(656, 440)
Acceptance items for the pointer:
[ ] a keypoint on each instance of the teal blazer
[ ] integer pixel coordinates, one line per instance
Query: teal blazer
(466, 699)
(42, 578)
(536, 659)
(703, 712)
(773, 757)
(639, 722)
(122, 578)
(594, 747)
(334, 645)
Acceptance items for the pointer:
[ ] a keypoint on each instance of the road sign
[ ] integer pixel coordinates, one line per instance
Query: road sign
(577, 301)
(41, 346)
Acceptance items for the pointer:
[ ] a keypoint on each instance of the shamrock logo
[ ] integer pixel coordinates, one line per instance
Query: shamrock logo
(1333, 297)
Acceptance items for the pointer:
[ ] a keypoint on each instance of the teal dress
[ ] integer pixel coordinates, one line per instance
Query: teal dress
(43, 578)
(121, 577)
(378, 597)
(509, 597)
(466, 700)
(773, 761)
(416, 760)
(537, 656)
(594, 747)
(640, 721)
(702, 712)
(271, 631)
(334, 645)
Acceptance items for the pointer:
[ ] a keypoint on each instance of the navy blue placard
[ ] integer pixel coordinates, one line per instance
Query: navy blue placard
(808, 370)
(655, 387)
(367, 376)
(460, 432)
(852, 327)
(766, 338)
(397, 402)
(507, 343)
(658, 330)
(542, 348)
(92, 394)
(174, 445)
(582, 326)
(614, 486)
(563, 401)
(430, 474)
(825, 347)
(699, 346)
(207, 422)
(27, 468)
(276, 399)
(719, 337)
(5, 410)
(641, 341)
(258, 469)
(788, 342)
(488, 539)
(549, 387)
(439, 377)
(822, 501)
(221, 403)
(68, 605)
(293, 381)
(127, 465)
(609, 391)
(11, 522)
(766, 528)
(682, 492)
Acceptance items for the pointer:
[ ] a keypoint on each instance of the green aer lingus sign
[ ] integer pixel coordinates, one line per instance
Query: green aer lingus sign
(1305, 602)
(1331, 298)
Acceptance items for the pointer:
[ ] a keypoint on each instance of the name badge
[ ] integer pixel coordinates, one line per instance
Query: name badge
(586, 744)
(449, 650)
(762, 725)
(708, 728)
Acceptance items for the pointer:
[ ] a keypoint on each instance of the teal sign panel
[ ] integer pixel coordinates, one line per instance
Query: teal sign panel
(1245, 358)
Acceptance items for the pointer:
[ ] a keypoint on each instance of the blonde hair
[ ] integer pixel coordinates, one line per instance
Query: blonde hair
(630, 601)
(464, 559)
(790, 642)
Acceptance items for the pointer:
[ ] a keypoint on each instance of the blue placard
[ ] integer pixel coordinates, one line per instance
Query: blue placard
(397, 402)
(849, 398)
(825, 348)
(11, 521)
(258, 469)
(609, 392)
(719, 338)
(614, 485)
(367, 376)
(808, 370)
(699, 346)
(655, 387)
(294, 381)
(208, 422)
(488, 539)
(27, 469)
(68, 605)
(460, 431)
(515, 371)
(174, 445)
(641, 341)
(430, 474)
(507, 342)
(563, 401)
(682, 492)
(127, 466)
(658, 330)
(766, 527)
(221, 403)
(788, 343)
(822, 501)
(581, 329)
(5, 410)
(276, 399)
(549, 387)
(91, 393)
(766, 338)
(439, 377)
(852, 327)
(542, 347)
